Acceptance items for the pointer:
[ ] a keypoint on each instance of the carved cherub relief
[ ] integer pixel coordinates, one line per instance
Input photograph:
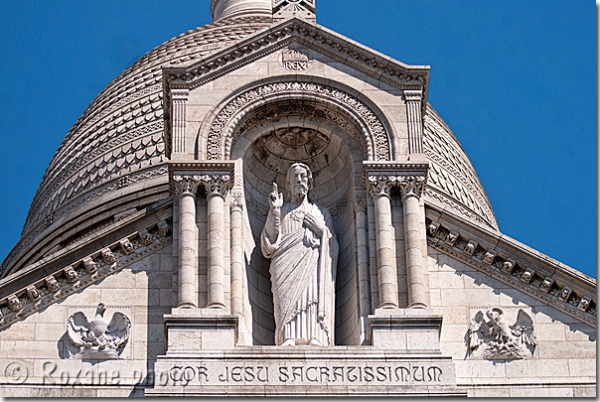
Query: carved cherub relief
(500, 340)
(97, 338)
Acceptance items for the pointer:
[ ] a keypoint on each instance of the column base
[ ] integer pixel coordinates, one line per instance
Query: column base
(414, 330)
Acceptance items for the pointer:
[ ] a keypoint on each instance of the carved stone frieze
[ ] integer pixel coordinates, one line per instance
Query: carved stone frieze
(527, 275)
(145, 236)
(14, 303)
(471, 246)
(501, 340)
(584, 303)
(33, 293)
(52, 284)
(89, 265)
(108, 256)
(71, 274)
(508, 266)
(67, 280)
(163, 228)
(547, 284)
(489, 256)
(452, 237)
(32, 236)
(126, 246)
(565, 293)
(97, 338)
(542, 287)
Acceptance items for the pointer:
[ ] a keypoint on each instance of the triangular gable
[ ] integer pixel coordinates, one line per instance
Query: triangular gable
(293, 31)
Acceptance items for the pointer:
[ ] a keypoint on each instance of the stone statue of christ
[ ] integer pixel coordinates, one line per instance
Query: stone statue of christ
(298, 238)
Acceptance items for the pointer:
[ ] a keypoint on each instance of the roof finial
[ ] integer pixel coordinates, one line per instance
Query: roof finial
(303, 9)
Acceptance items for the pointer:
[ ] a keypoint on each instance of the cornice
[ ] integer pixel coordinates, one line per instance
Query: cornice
(85, 271)
(387, 167)
(513, 264)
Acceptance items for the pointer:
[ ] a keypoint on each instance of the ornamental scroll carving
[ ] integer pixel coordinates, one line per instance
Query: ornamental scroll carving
(186, 184)
(494, 337)
(221, 131)
(409, 184)
(216, 184)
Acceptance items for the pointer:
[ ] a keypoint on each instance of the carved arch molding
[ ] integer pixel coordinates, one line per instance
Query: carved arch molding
(296, 97)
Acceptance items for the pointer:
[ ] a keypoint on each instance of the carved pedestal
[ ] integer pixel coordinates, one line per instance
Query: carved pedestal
(414, 330)
(191, 330)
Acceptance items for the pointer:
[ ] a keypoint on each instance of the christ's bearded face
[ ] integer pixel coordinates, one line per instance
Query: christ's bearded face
(299, 182)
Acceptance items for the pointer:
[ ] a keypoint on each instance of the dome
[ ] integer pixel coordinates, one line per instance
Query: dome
(116, 151)
(117, 147)
(452, 181)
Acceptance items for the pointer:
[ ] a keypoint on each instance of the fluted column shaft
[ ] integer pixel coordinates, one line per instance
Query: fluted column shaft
(237, 253)
(412, 187)
(216, 187)
(186, 190)
(386, 258)
(415, 122)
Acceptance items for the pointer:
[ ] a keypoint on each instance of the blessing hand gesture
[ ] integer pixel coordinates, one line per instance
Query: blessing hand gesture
(275, 198)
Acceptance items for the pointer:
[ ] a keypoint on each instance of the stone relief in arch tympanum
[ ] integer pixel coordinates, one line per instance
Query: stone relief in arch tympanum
(334, 103)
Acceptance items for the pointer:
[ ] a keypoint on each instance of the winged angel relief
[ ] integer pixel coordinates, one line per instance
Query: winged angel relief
(502, 340)
(98, 338)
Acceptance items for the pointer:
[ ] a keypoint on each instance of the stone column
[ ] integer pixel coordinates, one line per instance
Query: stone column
(186, 186)
(216, 186)
(237, 252)
(412, 187)
(415, 121)
(362, 248)
(386, 257)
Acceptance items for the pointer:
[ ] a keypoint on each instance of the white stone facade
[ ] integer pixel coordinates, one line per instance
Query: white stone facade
(154, 205)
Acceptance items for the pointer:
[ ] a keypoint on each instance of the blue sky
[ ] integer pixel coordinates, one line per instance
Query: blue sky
(515, 80)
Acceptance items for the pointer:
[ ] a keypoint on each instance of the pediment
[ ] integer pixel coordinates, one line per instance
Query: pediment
(295, 42)
(512, 263)
(311, 36)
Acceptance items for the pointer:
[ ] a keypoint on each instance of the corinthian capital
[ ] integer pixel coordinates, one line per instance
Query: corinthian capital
(186, 184)
(216, 184)
(380, 185)
(411, 186)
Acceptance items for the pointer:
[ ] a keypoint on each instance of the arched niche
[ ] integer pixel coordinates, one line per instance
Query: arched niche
(332, 129)
(268, 149)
